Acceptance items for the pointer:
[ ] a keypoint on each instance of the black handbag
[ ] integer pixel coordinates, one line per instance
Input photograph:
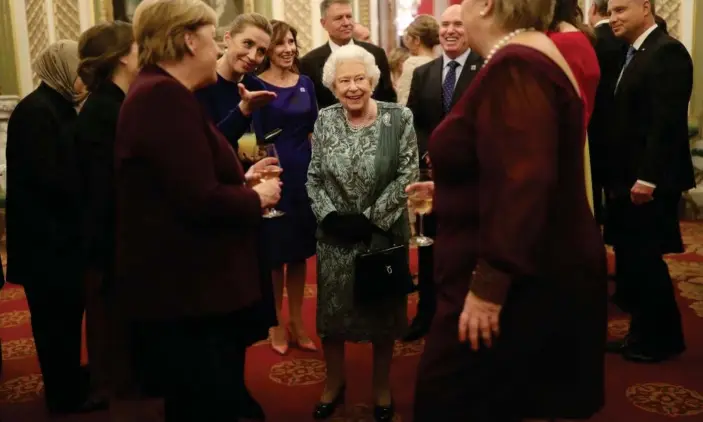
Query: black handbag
(383, 273)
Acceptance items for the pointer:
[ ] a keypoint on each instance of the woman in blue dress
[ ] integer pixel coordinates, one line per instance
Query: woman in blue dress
(291, 238)
(237, 94)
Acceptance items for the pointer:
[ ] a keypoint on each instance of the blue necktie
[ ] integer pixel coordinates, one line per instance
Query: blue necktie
(448, 86)
(628, 58)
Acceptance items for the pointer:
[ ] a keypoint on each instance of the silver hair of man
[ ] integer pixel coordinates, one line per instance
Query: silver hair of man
(325, 4)
(350, 53)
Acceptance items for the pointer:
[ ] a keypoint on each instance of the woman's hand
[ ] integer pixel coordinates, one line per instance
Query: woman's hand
(254, 173)
(252, 100)
(479, 318)
(269, 192)
(428, 187)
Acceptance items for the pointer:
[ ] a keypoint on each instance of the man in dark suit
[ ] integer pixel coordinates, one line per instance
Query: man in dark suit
(338, 21)
(649, 166)
(435, 88)
(610, 51)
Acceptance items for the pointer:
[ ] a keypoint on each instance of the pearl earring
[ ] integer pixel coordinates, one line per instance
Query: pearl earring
(482, 13)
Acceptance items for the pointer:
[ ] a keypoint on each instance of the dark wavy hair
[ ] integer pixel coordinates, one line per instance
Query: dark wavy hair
(570, 12)
(100, 49)
(279, 30)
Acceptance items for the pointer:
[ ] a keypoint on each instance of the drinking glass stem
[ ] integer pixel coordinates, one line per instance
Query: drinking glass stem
(421, 230)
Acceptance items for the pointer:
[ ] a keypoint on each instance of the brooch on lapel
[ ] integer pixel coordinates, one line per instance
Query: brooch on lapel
(302, 89)
(473, 67)
(386, 119)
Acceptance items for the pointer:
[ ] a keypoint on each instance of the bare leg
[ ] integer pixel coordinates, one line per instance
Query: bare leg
(382, 357)
(295, 285)
(278, 333)
(334, 359)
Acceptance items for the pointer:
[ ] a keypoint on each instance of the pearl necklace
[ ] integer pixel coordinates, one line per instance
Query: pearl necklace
(365, 121)
(503, 41)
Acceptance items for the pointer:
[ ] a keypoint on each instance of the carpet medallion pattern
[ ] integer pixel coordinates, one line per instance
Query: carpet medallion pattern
(665, 399)
(289, 386)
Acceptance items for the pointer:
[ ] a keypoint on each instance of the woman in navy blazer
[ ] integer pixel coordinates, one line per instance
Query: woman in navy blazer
(187, 271)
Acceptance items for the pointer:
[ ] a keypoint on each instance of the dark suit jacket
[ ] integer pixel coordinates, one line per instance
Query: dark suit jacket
(425, 98)
(649, 139)
(95, 138)
(312, 63)
(610, 52)
(187, 225)
(42, 223)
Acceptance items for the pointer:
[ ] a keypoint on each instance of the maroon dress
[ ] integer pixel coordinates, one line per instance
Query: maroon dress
(514, 226)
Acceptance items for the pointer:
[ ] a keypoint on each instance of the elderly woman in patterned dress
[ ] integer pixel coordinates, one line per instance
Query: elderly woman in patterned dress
(364, 153)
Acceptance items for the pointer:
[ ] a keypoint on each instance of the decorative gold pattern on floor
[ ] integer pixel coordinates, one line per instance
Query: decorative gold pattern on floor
(618, 328)
(665, 399)
(11, 293)
(21, 389)
(18, 349)
(13, 319)
(298, 372)
(402, 349)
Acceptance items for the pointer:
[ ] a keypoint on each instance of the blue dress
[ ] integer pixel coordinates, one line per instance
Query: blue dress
(294, 111)
(290, 238)
(221, 101)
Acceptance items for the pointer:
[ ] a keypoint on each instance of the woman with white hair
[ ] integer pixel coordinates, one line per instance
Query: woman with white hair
(364, 153)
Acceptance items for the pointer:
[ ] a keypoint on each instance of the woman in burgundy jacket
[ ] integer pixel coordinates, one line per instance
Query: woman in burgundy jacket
(187, 272)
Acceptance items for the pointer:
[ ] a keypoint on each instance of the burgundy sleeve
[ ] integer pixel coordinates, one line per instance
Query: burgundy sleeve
(517, 139)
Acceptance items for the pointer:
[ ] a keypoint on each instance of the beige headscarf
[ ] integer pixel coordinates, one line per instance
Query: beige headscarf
(57, 66)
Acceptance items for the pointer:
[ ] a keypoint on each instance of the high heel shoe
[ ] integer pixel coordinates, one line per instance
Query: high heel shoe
(325, 410)
(278, 345)
(301, 339)
(384, 413)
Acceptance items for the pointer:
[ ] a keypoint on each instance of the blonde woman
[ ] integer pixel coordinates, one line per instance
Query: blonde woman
(421, 37)
(521, 273)
(189, 225)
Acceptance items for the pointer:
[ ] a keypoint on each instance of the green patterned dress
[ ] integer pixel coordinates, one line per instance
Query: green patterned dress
(354, 171)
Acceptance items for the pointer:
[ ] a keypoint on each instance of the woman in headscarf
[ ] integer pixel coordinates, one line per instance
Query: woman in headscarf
(42, 224)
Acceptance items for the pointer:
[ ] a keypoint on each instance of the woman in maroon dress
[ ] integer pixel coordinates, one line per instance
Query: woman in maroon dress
(519, 261)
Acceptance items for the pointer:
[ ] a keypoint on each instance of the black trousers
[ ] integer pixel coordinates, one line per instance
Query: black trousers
(641, 235)
(57, 310)
(645, 290)
(195, 364)
(425, 279)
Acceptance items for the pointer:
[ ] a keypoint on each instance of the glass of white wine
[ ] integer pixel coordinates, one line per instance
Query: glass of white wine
(262, 151)
(421, 202)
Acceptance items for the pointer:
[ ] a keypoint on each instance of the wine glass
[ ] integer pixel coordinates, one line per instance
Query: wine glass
(262, 151)
(421, 202)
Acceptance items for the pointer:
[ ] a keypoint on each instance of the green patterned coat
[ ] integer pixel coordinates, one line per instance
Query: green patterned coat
(355, 171)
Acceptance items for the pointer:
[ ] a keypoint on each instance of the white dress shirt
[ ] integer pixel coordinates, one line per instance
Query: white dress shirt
(602, 22)
(461, 60)
(334, 47)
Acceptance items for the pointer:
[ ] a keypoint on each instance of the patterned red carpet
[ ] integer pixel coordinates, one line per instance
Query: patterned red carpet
(289, 386)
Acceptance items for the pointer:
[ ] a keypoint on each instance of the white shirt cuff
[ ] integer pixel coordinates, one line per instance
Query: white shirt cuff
(651, 185)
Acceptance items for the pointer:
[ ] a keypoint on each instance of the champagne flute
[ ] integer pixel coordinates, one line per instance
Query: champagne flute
(262, 151)
(421, 203)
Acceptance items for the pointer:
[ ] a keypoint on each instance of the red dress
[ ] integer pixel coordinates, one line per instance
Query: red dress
(581, 57)
(514, 226)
